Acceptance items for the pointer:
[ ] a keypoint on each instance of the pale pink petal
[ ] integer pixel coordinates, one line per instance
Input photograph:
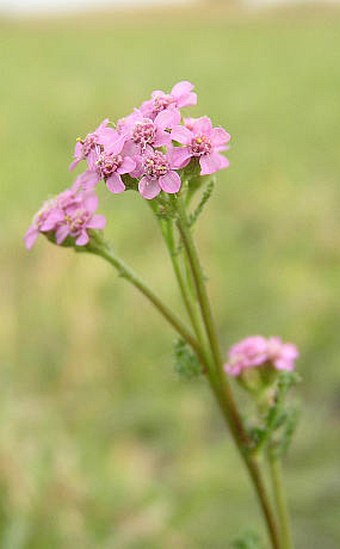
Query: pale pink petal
(157, 93)
(181, 88)
(62, 233)
(116, 145)
(77, 155)
(211, 163)
(168, 118)
(283, 364)
(52, 220)
(127, 166)
(179, 157)
(203, 125)
(30, 237)
(88, 180)
(115, 184)
(90, 202)
(149, 188)
(170, 182)
(219, 137)
(161, 138)
(182, 135)
(96, 222)
(138, 171)
(82, 239)
(187, 100)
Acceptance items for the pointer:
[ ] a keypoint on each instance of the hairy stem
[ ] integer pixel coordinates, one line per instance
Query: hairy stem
(218, 381)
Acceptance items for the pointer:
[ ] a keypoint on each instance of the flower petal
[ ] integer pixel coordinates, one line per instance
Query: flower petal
(82, 239)
(90, 202)
(181, 87)
(219, 137)
(30, 237)
(62, 233)
(96, 222)
(170, 182)
(182, 135)
(211, 163)
(127, 166)
(115, 144)
(203, 125)
(179, 157)
(88, 179)
(187, 100)
(149, 188)
(115, 184)
(168, 118)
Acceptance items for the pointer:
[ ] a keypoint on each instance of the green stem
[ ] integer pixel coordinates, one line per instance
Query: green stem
(280, 502)
(189, 305)
(100, 248)
(218, 380)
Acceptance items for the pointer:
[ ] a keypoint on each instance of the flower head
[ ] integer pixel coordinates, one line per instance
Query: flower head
(94, 141)
(257, 351)
(200, 141)
(70, 214)
(157, 175)
(180, 96)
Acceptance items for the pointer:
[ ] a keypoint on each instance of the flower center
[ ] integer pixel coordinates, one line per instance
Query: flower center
(88, 144)
(156, 165)
(200, 145)
(43, 213)
(77, 220)
(144, 132)
(162, 102)
(107, 164)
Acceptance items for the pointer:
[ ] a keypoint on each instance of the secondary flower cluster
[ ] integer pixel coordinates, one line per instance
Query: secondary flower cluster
(257, 351)
(70, 214)
(151, 144)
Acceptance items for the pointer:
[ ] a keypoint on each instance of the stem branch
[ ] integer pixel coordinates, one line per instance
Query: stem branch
(102, 249)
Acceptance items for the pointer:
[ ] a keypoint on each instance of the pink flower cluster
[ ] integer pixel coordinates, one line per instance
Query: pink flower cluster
(145, 150)
(151, 144)
(70, 214)
(258, 351)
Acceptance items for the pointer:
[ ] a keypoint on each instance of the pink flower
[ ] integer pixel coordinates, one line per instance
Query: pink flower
(101, 137)
(143, 131)
(71, 213)
(180, 96)
(108, 164)
(258, 351)
(281, 355)
(157, 175)
(201, 141)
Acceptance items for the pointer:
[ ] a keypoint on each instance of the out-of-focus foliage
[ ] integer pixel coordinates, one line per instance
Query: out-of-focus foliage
(101, 445)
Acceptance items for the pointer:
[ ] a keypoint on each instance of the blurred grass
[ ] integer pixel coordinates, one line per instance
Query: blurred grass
(101, 445)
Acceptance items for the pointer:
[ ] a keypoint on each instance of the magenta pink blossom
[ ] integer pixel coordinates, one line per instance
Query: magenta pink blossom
(143, 131)
(200, 141)
(71, 213)
(109, 165)
(157, 175)
(94, 141)
(180, 96)
(258, 351)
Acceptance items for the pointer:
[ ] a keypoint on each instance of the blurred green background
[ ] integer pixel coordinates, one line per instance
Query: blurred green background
(101, 445)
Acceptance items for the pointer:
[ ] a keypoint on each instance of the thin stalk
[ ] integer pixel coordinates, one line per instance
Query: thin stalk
(280, 502)
(166, 227)
(189, 305)
(218, 381)
(101, 249)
